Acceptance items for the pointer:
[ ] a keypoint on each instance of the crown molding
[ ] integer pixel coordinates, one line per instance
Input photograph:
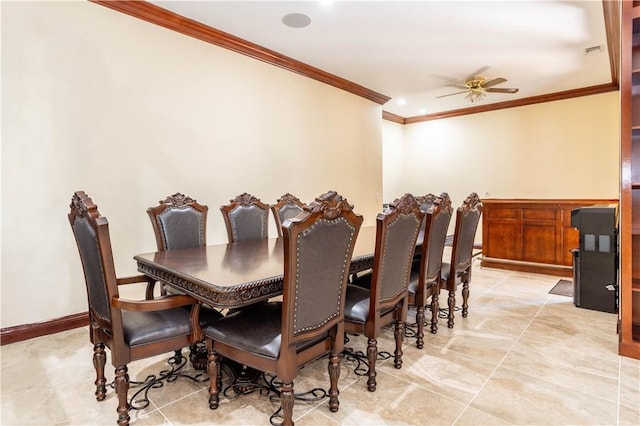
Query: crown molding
(156, 15)
(557, 96)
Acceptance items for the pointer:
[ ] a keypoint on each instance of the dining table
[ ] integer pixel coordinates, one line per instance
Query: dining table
(233, 275)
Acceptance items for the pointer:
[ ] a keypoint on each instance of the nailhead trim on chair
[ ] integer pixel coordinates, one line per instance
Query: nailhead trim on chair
(164, 231)
(344, 265)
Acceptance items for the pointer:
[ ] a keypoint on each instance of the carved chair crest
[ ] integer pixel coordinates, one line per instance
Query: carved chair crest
(405, 205)
(289, 199)
(82, 206)
(471, 202)
(331, 204)
(177, 200)
(245, 199)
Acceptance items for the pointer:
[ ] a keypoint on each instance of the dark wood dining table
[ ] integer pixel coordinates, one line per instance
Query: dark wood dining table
(236, 274)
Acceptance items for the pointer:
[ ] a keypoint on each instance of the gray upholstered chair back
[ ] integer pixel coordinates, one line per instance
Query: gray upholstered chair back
(289, 212)
(467, 218)
(287, 207)
(439, 217)
(425, 202)
(179, 222)
(395, 244)
(181, 228)
(318, 248)
(322, 259)
(246, 218)
(91, 232)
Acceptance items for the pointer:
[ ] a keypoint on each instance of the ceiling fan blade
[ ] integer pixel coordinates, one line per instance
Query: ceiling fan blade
(501, 90)
(451, 94)
(459, 86)
(494, 82)
(478, 72)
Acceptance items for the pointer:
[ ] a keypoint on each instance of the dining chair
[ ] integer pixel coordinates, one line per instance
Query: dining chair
(179, 221)
(280, 337)
(425, 275)
(288, 206)
(458, 270)
(131, 329)
(380, 298)
(246, 218)
(425, 202)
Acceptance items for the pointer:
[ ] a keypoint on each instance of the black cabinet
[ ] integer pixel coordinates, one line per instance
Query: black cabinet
(595, 262)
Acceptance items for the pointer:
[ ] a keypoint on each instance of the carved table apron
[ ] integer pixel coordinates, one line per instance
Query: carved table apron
(236, 274)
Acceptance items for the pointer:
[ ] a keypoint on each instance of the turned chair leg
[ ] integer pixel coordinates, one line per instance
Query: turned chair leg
(286, 402)
(99, 361)
(399, 337)
(435, 307)
(121, 383)
(372, 356)
(452, 307)
(420, 324)
(213, 370)
(334, 375)
(465, 299)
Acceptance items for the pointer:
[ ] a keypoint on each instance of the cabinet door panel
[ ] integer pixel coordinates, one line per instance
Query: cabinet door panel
(539, 214)
(538, 243)
(504, 240)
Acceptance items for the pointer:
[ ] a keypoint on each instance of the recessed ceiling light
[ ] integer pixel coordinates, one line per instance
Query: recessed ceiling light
(422, 111)
(296, 20)
(401, 101)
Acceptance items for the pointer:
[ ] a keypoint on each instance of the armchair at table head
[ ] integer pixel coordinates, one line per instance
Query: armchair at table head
(425, 275)
(246, 218)
(380, 298)
(280, 337)
(179, 222)
(131, 329)
(287, 207)
(458, 270)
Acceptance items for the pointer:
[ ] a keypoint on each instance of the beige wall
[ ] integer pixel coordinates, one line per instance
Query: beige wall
(562, 149)
(129, 112)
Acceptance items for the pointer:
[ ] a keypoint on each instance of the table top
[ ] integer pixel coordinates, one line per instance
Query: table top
(236, 274)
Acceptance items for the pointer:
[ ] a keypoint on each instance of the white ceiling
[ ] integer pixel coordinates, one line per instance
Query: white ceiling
(412, 49)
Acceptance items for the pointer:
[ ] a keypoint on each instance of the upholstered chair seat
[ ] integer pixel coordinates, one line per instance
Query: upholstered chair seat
(256, 329)
(357, 305)
(146, 327)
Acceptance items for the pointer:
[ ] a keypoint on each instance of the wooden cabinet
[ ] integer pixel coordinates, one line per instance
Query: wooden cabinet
(531, 235)
(629, 332)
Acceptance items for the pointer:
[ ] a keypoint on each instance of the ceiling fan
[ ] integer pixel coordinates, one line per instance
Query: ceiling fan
(477, 88)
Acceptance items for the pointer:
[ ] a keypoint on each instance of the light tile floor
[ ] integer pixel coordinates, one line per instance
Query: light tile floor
(522, 357)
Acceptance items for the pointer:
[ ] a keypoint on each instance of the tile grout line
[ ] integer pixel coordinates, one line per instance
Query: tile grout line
(503, 358)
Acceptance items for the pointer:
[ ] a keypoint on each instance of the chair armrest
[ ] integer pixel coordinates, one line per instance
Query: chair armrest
(134, 280)
(137, 279)
(153, 305)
